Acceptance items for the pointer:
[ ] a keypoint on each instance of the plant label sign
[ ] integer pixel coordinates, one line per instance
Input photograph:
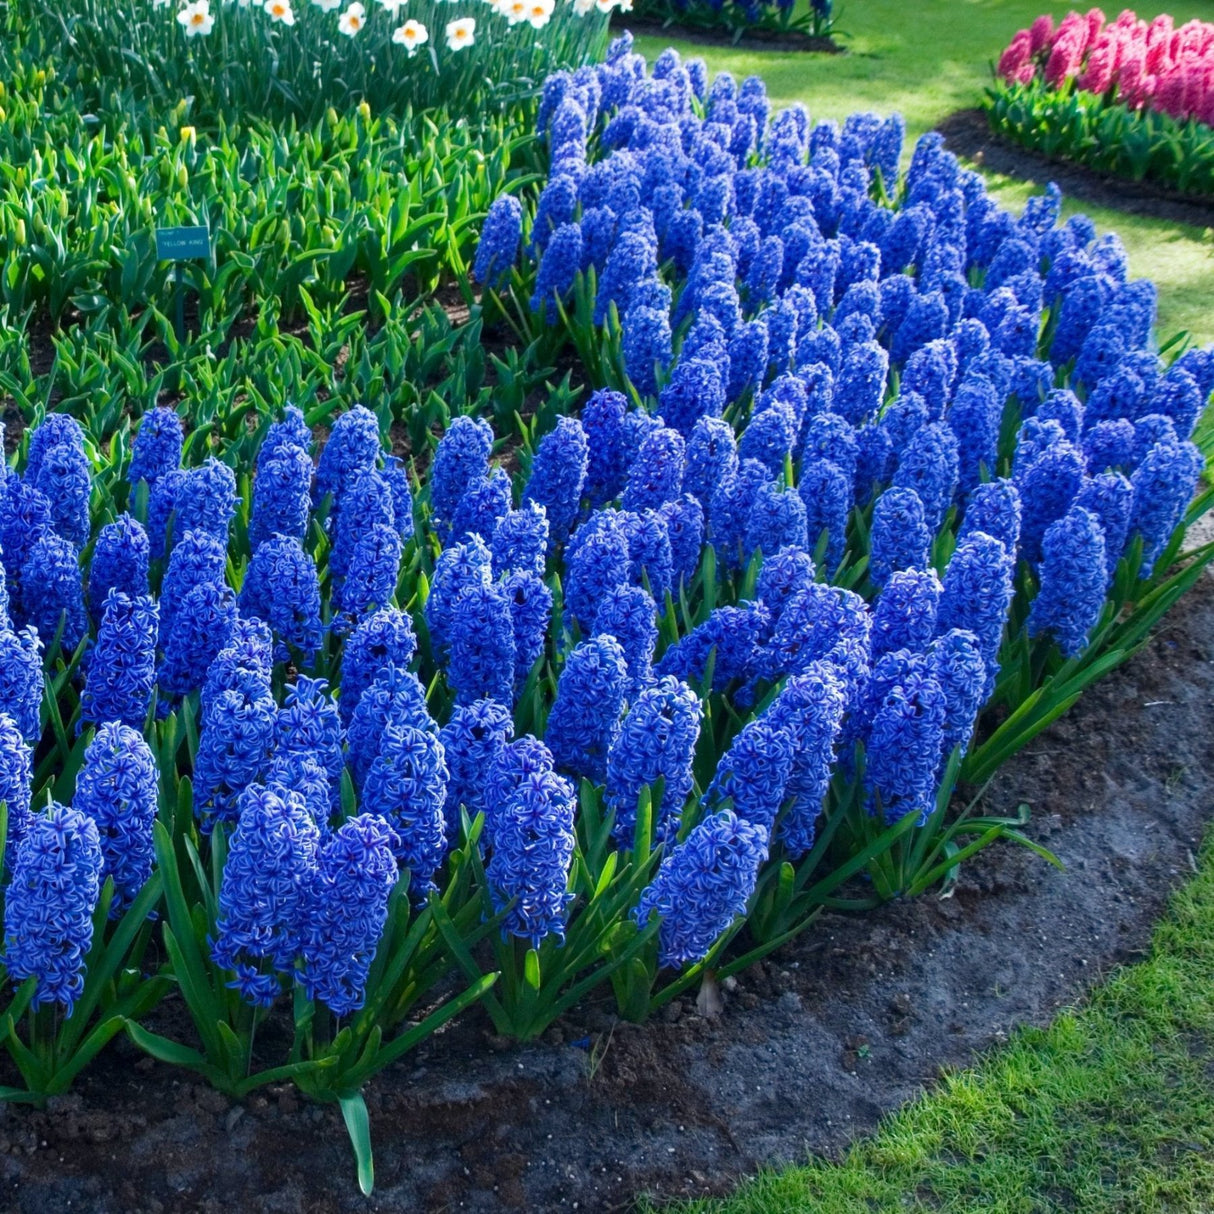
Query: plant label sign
(182, 244)
(178, 245)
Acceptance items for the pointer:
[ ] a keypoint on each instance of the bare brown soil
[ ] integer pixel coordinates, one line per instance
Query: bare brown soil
(968, 134)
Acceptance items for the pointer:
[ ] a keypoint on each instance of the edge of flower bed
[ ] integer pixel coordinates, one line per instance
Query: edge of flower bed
(968, 133)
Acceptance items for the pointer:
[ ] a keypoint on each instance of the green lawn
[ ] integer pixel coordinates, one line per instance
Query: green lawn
(928, 58)
(1110, 1109)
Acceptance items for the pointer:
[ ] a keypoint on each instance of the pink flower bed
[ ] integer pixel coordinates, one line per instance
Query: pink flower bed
(1143, 64)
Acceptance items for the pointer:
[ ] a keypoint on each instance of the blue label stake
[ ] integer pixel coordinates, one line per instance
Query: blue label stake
(178, 245)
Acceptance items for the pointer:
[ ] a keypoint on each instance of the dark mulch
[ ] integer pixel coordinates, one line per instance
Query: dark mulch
(850, 1021)
(750, 40)
(968, 134)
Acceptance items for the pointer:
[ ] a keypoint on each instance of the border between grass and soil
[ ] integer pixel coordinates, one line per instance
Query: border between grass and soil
(1107, 1102)
(763, 40)
(968, 134)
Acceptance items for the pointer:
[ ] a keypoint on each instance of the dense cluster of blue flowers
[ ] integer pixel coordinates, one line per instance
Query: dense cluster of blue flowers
(49, 904)
(827, 354)
(118, 788)
(807, 291)
(788, 556)
(703, 885)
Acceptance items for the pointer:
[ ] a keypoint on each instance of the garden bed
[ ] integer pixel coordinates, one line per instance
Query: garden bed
(967, 133)
(548, 886)
(812, 1047)
(750, 40)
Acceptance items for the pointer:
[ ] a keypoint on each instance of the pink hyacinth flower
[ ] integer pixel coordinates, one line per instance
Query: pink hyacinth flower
(1194, 87)
(1041, 31)
(1121, 41)
(1095, 19)
(1017, 56)
(1130, 90)
(1170, 94)
(1205, 112)
(1065, 58)
(1097, 76)
(1159, 38)
(1074, 25)
(1134, 50)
